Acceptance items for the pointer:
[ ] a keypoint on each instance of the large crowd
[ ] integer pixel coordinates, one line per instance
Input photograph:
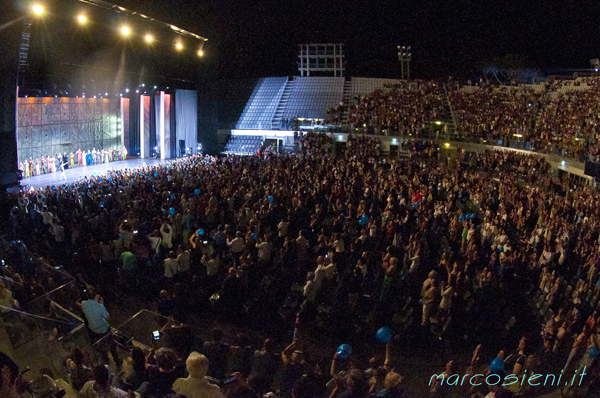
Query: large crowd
(406, 108)
(488, 251)
(559, 117)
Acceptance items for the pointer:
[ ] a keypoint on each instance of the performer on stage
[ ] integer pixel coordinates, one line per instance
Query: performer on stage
(88, 158)
(124, 153)
(72, 158)
(79, 157)
(37, 167)
(31, 170)
(51, 168)
(22, 169)
(43, 165)
(63, 165)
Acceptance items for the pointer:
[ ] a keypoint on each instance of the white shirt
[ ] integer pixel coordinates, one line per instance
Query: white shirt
(319, 276)
(236, 245)
(167, 237)
(302, 243)
(196, 388)
(88, 391)
(212, 265)
(183, 262)
(282, 228)
(339, 246)
(170, 267)
(310, 291)
(264, 251)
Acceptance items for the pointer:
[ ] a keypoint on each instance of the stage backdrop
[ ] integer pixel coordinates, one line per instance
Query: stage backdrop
(186, 113)
(48, 125)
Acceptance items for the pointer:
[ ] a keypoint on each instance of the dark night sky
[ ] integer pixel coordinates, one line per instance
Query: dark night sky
(448, 37)
(253, 38)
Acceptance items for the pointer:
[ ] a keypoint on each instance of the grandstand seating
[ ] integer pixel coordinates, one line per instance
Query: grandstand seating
(362, 85)
(243, 144)
(311, 97)
(261, 107)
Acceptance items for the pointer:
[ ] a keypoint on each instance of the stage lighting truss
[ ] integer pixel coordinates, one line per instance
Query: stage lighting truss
(126, 30)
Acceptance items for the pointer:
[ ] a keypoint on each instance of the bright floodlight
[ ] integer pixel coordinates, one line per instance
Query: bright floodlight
(37, 9)
(149, 38)
(179, 46)
(125, 31)
(82, 19)
(200, 53)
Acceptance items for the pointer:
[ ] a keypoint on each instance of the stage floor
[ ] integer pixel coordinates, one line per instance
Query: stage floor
(76, 173)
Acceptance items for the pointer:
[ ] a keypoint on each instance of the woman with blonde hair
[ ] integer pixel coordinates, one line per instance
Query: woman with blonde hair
(393, 386)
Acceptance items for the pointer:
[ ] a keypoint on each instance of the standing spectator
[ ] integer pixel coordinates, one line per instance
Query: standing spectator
(171, 266)
(196, 385)
(429, 294)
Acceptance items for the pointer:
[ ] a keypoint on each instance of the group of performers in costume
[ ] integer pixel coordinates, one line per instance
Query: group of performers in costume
(52, 164)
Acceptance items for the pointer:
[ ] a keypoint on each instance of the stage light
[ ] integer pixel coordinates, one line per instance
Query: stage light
(106, 94)
(155, 87)
(149, 38)
(37, 9)
(125, 31)
(179, 46)
(82, 19)
(137, 91)
(126, 90)
(200, 53)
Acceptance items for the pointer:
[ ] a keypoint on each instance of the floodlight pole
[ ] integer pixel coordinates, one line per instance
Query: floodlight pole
(404, 57)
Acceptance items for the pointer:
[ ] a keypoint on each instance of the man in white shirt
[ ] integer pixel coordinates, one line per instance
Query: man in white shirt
(211, 263)
(283, 228)
(196, 385)
(171, 265)
(310, 289)
(183, 260)
(236, 245)
(301, 248)
(167, 235)
(320, 272)
(265, 249)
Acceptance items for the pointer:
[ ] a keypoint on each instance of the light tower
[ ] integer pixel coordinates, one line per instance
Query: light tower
(404, 56)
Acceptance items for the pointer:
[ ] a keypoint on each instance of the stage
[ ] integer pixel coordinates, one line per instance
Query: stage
(76, 173)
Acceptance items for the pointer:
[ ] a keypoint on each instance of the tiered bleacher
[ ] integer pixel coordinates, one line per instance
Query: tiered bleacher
(243, 145)
(261, 107)
(310, 97)
(366, 85)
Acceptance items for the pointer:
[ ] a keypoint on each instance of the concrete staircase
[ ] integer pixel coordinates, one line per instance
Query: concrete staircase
(347, 100)
(285, 96)
(450, 117)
